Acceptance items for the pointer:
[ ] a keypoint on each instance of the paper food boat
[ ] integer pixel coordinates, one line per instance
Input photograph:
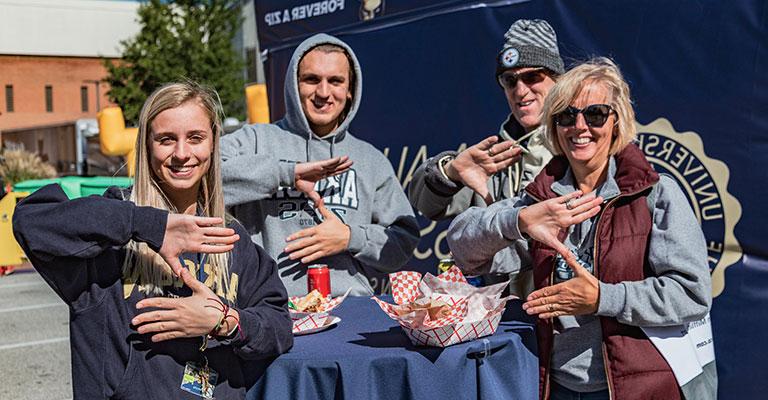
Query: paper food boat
(475, 312)
(304, 321)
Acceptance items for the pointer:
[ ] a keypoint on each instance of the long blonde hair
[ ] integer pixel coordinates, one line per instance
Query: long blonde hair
(142, 265)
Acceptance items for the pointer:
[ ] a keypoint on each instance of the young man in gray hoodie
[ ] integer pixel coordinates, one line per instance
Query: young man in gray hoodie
(363, 222)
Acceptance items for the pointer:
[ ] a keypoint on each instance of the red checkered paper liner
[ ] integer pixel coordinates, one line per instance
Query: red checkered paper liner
(455, 333)
(405, 286)
(475, 312)
(420, 318)
(308, 321)
(452, 275)
(480, 299)
(303, 321)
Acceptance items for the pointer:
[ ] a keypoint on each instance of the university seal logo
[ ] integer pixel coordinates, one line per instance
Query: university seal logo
(704, 181)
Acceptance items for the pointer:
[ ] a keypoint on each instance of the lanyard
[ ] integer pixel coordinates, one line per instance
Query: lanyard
(200, 265)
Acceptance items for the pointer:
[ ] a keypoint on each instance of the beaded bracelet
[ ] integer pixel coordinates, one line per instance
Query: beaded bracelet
(224, 310)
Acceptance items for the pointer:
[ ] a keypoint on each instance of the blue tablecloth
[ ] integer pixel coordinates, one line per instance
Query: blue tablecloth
(367, 356)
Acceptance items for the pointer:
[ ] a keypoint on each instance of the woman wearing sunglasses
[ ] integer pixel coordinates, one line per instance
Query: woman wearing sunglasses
(165, 301)
(615, 247)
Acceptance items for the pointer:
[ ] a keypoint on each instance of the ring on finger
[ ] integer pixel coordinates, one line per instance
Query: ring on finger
(490, 152)
(550, 308)
(569, 204)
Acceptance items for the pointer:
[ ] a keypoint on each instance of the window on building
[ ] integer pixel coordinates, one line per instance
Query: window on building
(84, 98)
(48, 98)
(9, 98)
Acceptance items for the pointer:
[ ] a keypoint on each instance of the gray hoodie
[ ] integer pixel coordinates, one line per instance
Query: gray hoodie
(258, 173)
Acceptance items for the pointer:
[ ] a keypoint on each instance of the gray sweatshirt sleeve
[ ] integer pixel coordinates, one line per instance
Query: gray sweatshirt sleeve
(681, 291)
(387, 243)
(247, 175)
(436, 196)
(482, 239)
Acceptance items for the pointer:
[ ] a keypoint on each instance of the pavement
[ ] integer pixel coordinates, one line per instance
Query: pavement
(34, 339)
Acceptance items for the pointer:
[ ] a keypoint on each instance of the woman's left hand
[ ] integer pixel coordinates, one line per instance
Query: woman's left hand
(576, 296)
(183, 317)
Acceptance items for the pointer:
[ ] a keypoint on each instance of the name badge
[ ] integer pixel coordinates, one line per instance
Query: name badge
(199, 380)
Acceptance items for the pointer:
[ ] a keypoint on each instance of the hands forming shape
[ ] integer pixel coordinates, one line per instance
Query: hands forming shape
(198, 314)
(329, 238)
(183, 317)
(189, 233)
(576, 296)
(308, 173)
(543, 221)
(475, 165)
(332, 235)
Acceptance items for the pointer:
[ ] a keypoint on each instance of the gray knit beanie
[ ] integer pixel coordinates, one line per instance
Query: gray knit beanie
(530, 43)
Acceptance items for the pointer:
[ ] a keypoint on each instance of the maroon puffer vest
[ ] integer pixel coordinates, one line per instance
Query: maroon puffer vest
(634, 368)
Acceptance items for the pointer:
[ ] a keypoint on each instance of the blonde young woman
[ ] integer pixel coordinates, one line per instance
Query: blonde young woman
(614, 247)
(165, 301)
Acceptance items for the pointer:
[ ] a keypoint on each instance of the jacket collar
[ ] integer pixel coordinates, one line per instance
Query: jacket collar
(632, 173)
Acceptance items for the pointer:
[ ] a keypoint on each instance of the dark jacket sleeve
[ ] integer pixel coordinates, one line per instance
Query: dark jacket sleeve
(61, 237)
(262, 302)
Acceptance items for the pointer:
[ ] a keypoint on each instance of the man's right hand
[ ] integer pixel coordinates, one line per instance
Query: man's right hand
(189, 233)
(308, 173)
(475, 165)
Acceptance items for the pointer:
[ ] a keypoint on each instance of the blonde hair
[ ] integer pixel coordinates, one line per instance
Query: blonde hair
(142, 265)
(599, 71)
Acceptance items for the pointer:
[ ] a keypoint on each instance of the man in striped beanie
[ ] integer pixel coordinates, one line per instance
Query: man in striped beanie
(529, 55)
(501, 165)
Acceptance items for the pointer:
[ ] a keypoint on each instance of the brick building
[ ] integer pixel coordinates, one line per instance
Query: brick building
(51, 66)
(51, 58)
(40, 90)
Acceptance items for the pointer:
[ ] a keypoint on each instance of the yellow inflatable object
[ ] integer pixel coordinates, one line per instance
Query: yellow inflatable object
(10, 251)
(258, 107)
(115, 139)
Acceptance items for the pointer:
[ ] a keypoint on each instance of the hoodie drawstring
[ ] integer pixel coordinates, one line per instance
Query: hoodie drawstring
(310, 138)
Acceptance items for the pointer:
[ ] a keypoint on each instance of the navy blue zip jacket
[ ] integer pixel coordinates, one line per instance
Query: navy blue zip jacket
(77, 247)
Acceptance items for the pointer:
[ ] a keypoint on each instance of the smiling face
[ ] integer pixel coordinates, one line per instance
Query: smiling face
(587, 147)
(181, 146)
(527, 99)
(324, 83)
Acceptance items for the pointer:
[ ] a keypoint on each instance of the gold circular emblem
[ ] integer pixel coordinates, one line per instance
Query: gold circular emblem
(704, 181)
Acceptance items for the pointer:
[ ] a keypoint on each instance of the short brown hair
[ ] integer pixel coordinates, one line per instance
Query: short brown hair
(352, 76)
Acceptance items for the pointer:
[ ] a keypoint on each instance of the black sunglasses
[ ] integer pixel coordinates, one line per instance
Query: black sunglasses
(595, 115)
(508, 80)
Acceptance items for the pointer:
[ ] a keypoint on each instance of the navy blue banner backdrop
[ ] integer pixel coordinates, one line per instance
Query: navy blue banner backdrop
(697, 70)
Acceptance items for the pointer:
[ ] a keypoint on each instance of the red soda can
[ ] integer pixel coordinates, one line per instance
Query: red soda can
(318, 277)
